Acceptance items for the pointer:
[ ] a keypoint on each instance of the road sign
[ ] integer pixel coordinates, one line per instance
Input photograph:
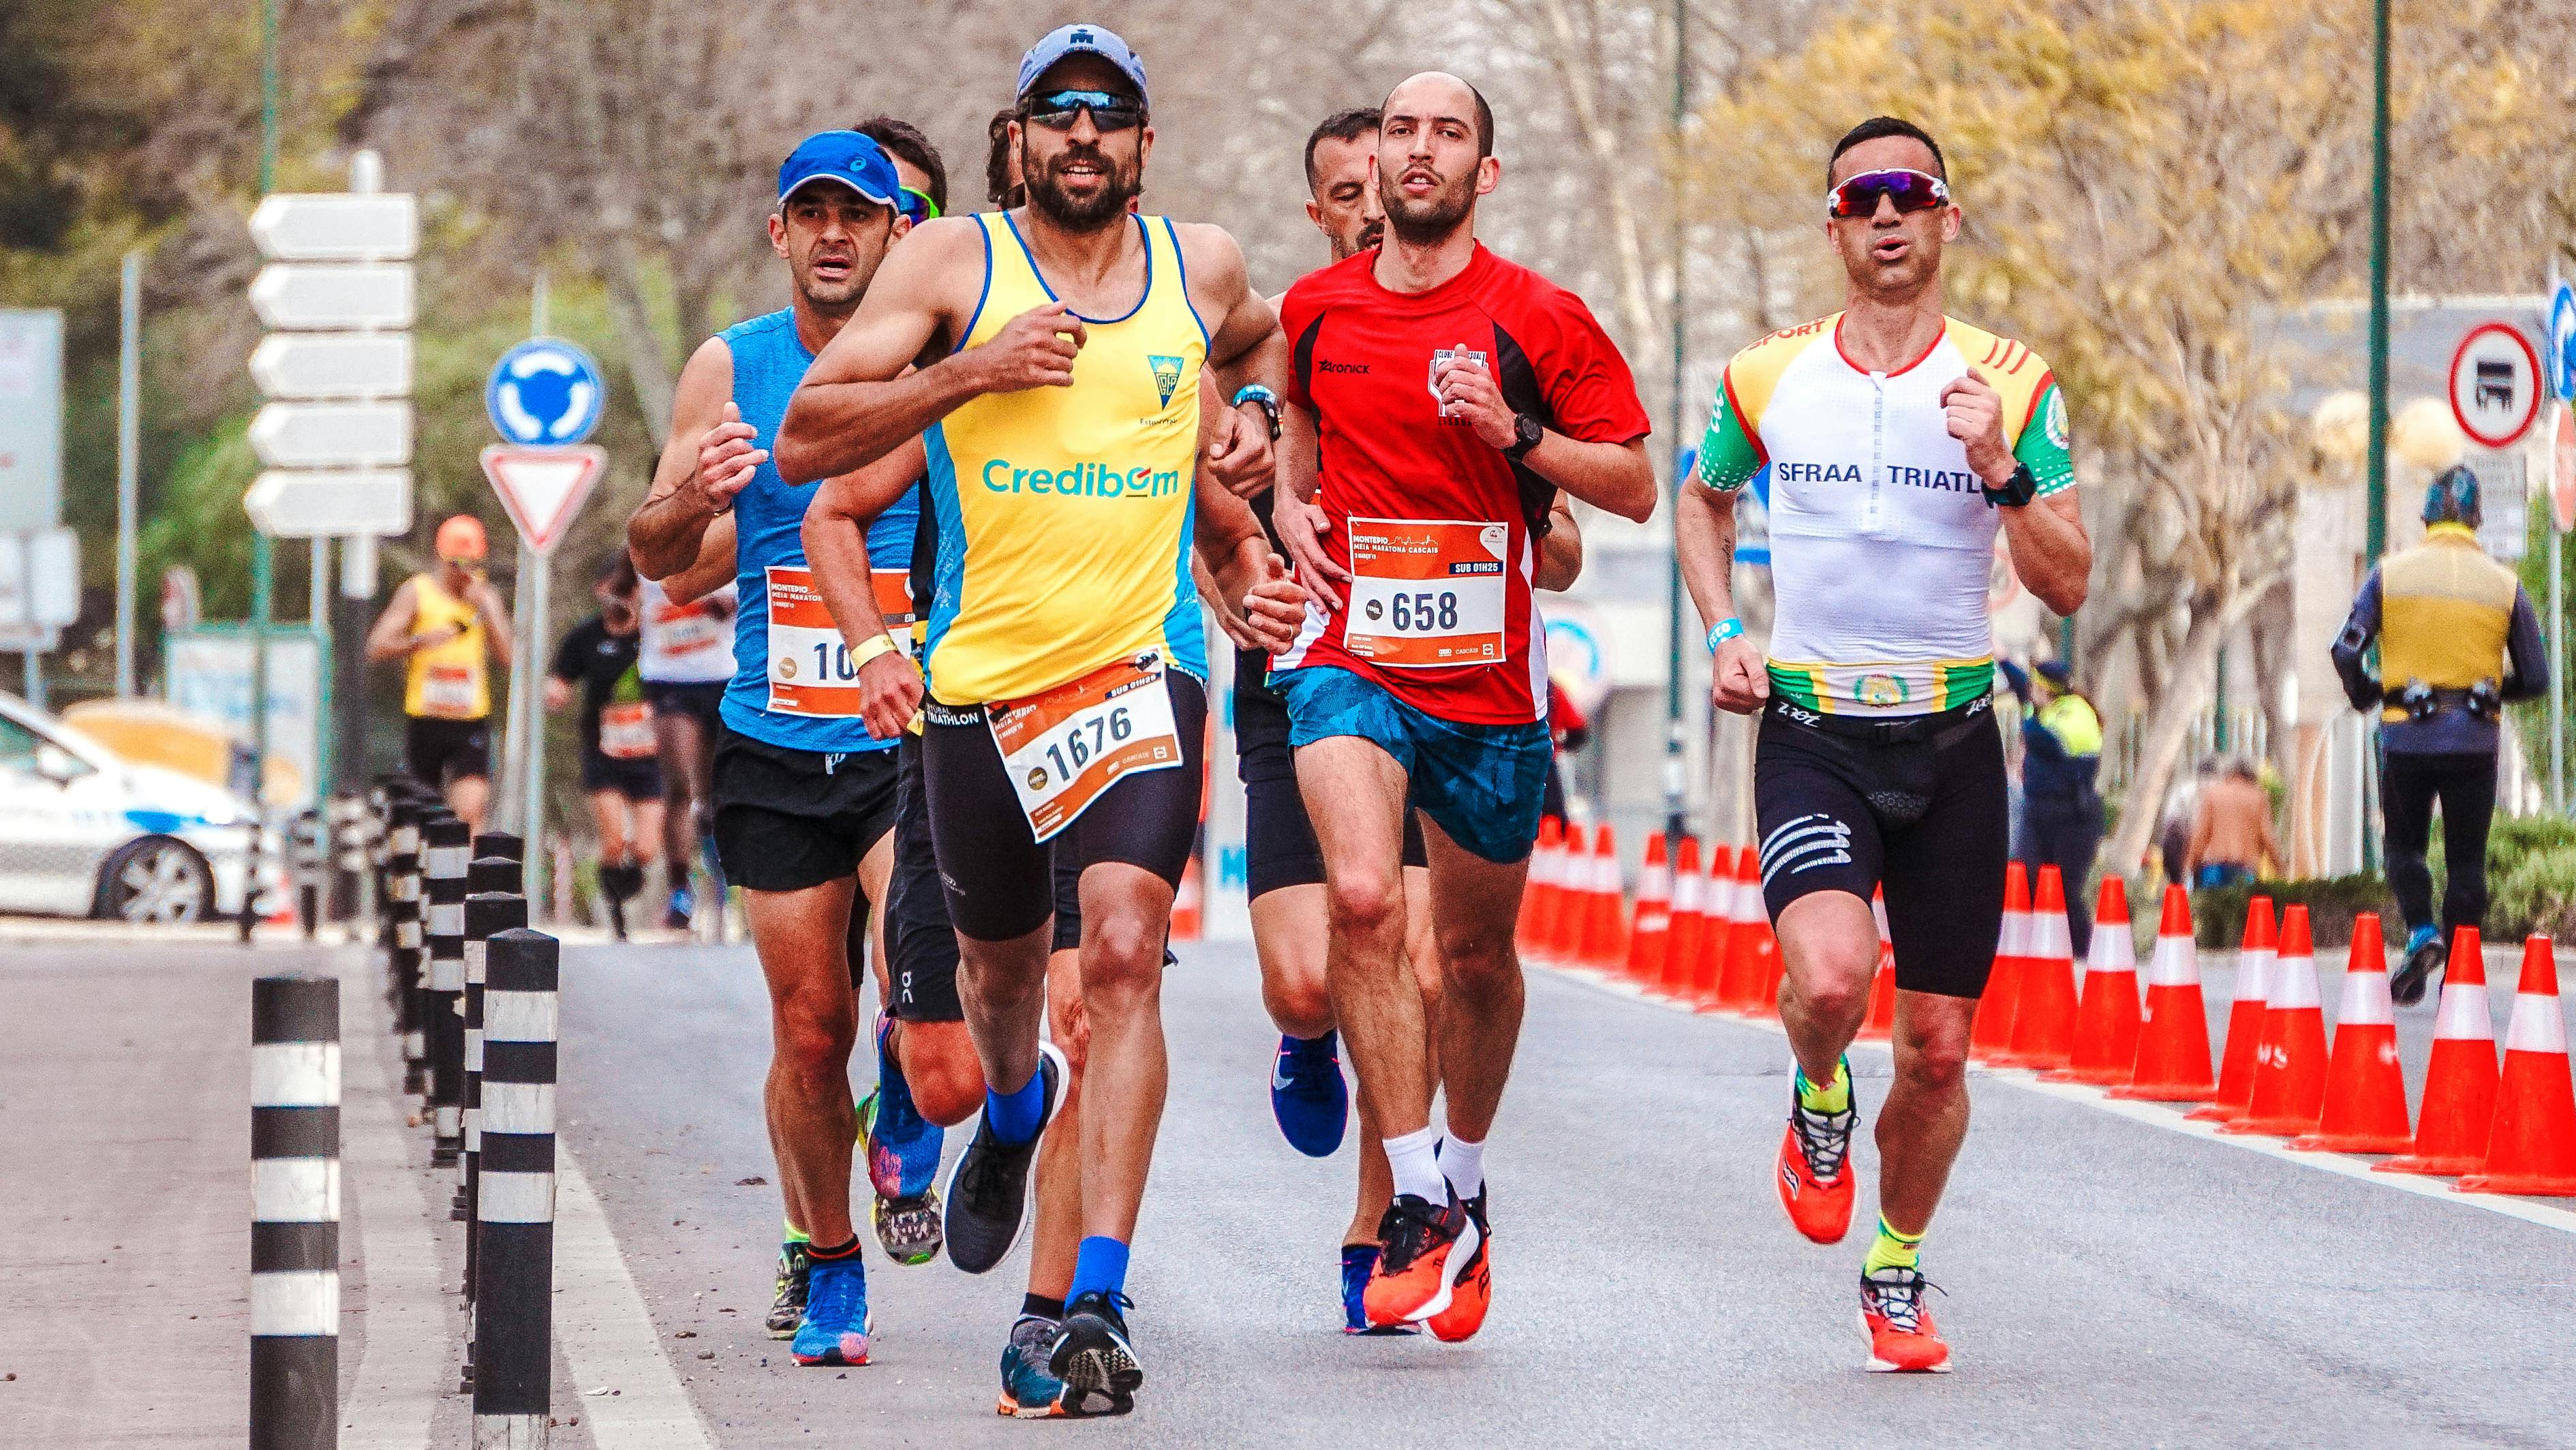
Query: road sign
(543, 487)
(2495, 384)
(333, 365)
(316, 296)
(2504, 496)
(332, 435)
(310, 503)
(40, 579)
(336, 227)
(545, 392)
(31, 420)
(2561, 361)
(2562, 465)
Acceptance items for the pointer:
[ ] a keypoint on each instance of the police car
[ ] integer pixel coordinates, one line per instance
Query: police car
(83, 833)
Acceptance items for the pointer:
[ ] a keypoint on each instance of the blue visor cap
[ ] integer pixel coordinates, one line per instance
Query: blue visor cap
(847, 157)
(1067, 40)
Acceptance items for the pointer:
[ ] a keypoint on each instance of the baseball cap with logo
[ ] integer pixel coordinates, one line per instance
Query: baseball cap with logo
(847, 157)
(1067, 40)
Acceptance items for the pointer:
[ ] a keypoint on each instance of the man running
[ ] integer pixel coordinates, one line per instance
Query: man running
(1057, 391)
(444, 624)
(686, 660)
(1440, 398)
(1898, 441)
(618, 770)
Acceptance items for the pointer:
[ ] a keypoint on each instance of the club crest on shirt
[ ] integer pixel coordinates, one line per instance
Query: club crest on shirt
(1880, 691)
(2056, 417)
(1167, 375)
(1440, 355)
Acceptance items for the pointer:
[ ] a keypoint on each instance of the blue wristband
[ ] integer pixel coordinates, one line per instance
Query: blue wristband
(1722, 631)
(1262, 398)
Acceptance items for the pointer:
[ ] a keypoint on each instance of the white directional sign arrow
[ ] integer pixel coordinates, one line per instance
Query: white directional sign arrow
(336, 227)
(329, 365)
(301, 296)
(543, 487)
(329, 435)
(305, 504)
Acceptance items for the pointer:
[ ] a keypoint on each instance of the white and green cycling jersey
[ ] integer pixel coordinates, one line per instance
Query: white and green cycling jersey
(1882, 541)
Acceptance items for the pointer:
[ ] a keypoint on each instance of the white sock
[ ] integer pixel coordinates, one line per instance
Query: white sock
(1463, 1164)
(1415, 1157)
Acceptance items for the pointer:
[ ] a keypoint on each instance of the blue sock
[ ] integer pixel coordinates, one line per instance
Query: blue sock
(1317, 1046)
(1016, 1116)
(1099, 1264)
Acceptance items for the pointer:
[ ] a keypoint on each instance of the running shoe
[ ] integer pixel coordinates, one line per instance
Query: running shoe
(1094, 1357)
(988, 1189)
(1307, 1094)
(835, 1331)
(2425, 955)
(1473, 1293)
(1357, 1262)
(677, 915)
(902, 1150)
(1901, 1337)
(788, 1309)
(1815, 1178)
(1425, 1249)
(1030, 1391)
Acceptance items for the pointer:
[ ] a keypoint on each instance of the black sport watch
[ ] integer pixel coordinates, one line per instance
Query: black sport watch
(2017, 491)
(1526, 431)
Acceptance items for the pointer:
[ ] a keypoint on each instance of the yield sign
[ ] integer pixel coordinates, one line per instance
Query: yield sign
(543, 487)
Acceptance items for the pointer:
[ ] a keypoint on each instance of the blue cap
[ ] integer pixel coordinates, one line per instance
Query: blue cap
(1066, 40)
(847, 157)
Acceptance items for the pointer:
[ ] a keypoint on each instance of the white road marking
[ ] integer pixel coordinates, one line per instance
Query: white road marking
(410, 1345)
(605, 1334)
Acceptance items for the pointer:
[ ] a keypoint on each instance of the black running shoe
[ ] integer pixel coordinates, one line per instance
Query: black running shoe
(988, 1190)
(795, 1271)
(2406, 986)
(1094, 1357)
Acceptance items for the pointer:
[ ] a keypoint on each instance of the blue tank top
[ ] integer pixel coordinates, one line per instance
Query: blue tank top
(797, 699)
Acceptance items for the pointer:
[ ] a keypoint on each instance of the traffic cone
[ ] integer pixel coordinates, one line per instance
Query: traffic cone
(2290, 1065)
(2106, 1021)
(2532, 1149)
(2460, 1080)
(1681, 944)
(1544, 859)
(2365, 1108)
(1562, 927)
(2043, 1026)
(2173, 1041)
(1188, 905)
(1604, 935)
(1722, 912)
(1750, 948)
(2244, 1017)
(1650, 929)
(1880, 1025)
(1991, 1036)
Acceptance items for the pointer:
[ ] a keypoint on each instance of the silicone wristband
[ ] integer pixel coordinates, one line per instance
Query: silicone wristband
(1722, 631)
(868, 649)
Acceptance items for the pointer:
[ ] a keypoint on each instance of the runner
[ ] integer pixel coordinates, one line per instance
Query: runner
(1898, 441)
(804, 795)
(444, 624)
(618, 769)
(1450, 394)
(1062, 621)
(686, 660)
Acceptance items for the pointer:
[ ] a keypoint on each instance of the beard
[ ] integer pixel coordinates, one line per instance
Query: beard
(1431, 218)
(1368, 238)
(1048, 197)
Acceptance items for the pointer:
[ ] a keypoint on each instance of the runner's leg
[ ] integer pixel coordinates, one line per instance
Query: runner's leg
(799, 938)
(1475, 907)
(1375, 999)
(469, 796)
(1126, 917)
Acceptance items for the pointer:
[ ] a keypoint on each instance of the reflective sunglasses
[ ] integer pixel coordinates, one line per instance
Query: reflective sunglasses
(916, 206)
(1056, 110)
(1912, 191)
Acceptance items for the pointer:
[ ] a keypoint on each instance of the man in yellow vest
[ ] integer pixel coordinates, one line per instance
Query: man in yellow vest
(442, 624)
(2061, 802)
(2457, 639)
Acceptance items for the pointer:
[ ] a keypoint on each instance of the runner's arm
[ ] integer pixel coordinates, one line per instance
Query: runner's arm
(835, 534)
(496, 619)
(1704, 534)
(712, 570)
(1302, 526)
(669, 525)
(1607, 475)
(2050, 550)
(390, 637)
(1227, 538)
(1560, 554)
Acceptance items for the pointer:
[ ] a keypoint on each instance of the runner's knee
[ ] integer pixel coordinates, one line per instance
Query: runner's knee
(1366, 903)
(1298, 1003)
(1122, 961)
(1934, 1064)
(813, 1049)
(1477, 958)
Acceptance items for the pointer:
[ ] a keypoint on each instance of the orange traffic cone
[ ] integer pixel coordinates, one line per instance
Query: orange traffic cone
(2173, 1041)
(1722, 914)
(1650, 930)
(2365, 1108)
(1751, 984)
(1991, 1036)
(2290, 1065)
(1681, 944)
(2106, 1021)
(1561, 928)
(2244, 1018)
(2533, 1146)
(1604, 937)
(2460, 1081)
(1188, 910)
(2043, 1026)
(1880, 1025)
(1543, 873)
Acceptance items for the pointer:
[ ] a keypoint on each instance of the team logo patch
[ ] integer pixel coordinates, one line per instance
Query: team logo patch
(1167, 375)
(1880, 690)
(2056, 420)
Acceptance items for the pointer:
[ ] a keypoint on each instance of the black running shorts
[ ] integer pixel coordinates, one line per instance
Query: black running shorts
(919, 939)
(1280, 849)
(700, 700)
(790, 819)
(439, 752)
(637, 780)
(1918, 807)
(998, 877)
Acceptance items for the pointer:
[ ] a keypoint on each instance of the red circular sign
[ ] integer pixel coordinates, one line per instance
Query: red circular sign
(2495, 384)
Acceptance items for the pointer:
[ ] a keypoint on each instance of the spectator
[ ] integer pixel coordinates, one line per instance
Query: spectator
(2231, 833)
(2061, 808)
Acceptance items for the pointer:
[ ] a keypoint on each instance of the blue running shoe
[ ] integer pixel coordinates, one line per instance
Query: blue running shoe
(1358, 1261)
(683, 909)
(1308, 1096)
(902, 1150)
(835, 1331)
(1030, 1391)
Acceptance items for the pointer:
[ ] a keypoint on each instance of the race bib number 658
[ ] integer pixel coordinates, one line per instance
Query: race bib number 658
(1426, 594)
(1064, 748)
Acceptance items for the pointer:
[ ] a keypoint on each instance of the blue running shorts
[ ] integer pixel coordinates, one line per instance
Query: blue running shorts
(1483, 784)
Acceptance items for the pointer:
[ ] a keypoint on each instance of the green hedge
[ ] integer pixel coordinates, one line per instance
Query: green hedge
(2218, 914)
(2531, 887)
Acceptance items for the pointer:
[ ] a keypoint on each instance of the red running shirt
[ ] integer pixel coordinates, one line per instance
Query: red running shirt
(1433, 522)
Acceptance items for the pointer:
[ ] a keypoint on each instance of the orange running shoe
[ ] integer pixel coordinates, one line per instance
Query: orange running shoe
(1426, 1248)
(1473, 1293)
(1901, 1337)
(1815, 1177)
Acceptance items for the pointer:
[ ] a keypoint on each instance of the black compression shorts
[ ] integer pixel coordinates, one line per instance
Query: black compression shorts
(1920, 808)
(790, 819)
(998, 877)
(438, 752)
(1280, 849)
(920, 942)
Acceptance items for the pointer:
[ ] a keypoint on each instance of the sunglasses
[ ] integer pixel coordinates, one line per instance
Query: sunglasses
(1911, 191)
(1056, 110)
(916, 206)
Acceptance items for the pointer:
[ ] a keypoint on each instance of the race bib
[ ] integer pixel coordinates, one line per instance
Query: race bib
(447, 691)
(1426, 594)
(684, 633)
(1064, 748)
(626, 731)
(810, 673)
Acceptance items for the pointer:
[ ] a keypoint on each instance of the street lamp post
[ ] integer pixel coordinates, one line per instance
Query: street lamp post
(1675, 770)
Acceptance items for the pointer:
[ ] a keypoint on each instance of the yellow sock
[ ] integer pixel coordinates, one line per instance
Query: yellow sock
(1892, 1250)
(797, 1235)
(1833, 1097)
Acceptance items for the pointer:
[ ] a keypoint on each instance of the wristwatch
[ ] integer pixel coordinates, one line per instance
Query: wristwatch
(2018, 490)
(1526, 431)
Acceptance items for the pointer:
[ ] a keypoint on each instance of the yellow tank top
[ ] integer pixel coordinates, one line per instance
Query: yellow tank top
(2444, 611)
(445, 681)
(1064, 513)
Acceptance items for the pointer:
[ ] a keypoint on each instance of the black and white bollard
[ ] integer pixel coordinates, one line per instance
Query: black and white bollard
(295, 1213)
(445, 843)
(310, 850)
(487, 913)
(515, 1194)
(404, 921)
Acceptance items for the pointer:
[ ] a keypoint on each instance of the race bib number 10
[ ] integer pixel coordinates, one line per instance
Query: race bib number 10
(810, 673)
(1064, 748)
(1426, 594)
